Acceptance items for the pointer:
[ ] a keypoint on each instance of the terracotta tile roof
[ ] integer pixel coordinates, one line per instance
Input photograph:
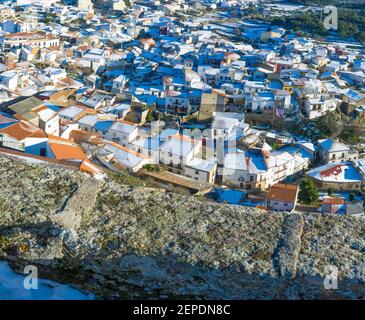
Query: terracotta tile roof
(333, 171)
(58, 139)
(81, 135)
(18, 116)
(38, 134)
(64, 151)
(333, 201)
(15, 153)
(85, 166)
(89, 167)
(22, 130)
(40, 108)
(282, 192)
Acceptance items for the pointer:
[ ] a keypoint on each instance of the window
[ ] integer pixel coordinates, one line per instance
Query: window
(285, 204)
(196, 171)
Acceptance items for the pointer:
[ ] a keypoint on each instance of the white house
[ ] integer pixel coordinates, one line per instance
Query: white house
(14, 136)
(49, 120)
(122, 132)
(119, 84)
(9, 79)
(316, 107)
(282, 197)
(179, 150)
(235, 172)
(71, 113)
(334, 151)
(116, 157)
(201, 170)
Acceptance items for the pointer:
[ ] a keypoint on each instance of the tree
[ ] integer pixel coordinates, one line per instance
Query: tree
(149, 116)
(308, 193)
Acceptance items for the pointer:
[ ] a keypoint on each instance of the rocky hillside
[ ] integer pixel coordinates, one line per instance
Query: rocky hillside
(119, 241)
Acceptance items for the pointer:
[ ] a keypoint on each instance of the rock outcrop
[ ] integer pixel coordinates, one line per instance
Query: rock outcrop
(120, 241)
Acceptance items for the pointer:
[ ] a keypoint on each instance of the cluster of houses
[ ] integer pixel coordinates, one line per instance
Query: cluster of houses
(94, 85)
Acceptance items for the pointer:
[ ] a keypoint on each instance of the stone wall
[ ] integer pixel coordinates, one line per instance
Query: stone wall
(120, 241)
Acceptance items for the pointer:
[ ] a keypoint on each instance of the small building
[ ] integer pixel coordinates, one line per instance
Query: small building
(282, 197)
(201, 170)
(333, 151)
(117, 157)
(337, 176)
(235, 172)
(333, 205)
(72, 113)
(15, 135)
(178, 150)
(122, 132)
(211, 103)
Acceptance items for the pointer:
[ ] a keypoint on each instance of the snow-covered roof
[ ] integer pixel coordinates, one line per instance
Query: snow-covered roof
(330, 145)
(340, 172)
(123, 127)
(71, 111)
(178, 145)
(235, 161)
(88, 120)
(201, 164)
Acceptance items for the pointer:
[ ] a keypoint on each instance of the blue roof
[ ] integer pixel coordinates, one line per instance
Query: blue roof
(229, 196)
(103, 125)
(114, 73)
(82, 90)
(52, 106)
(7, 121)
(167, 132)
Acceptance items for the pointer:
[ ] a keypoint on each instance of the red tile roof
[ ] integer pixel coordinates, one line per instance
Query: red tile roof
(23, 129)
(333, 201)
(283, 192)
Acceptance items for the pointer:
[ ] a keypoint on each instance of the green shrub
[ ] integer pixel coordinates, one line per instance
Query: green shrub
(308, 193)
